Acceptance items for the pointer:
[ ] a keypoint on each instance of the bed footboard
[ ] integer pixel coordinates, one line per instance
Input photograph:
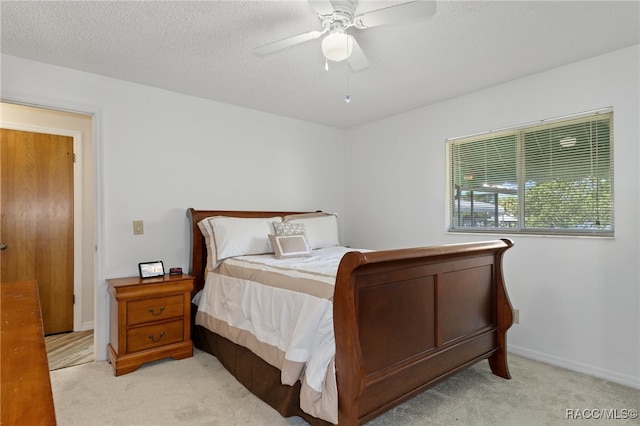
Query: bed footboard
(406, 319)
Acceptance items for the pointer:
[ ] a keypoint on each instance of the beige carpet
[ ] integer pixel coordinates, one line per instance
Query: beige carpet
(199, 391)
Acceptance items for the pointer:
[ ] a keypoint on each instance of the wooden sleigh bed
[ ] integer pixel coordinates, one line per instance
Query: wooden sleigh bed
(404, 320)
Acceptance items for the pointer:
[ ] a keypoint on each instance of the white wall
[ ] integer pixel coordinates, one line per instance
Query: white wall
(579, 298)
(159, 153)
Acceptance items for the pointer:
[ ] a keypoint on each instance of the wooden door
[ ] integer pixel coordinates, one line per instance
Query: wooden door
(36, 227)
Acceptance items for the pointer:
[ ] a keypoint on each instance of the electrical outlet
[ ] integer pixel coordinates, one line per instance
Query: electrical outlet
(516, 316)
(138, 227)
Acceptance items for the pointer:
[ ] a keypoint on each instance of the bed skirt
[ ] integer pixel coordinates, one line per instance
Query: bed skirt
(259, 377)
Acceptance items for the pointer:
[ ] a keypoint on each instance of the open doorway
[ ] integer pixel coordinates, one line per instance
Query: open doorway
(79, 127)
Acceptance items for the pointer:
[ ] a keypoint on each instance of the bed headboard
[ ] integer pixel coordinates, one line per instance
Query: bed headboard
(198, 262)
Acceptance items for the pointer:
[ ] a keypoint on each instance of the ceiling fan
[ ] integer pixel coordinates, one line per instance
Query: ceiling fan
(336, 16)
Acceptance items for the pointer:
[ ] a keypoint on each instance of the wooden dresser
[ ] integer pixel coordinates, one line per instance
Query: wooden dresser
(150, 320)
(24, 371)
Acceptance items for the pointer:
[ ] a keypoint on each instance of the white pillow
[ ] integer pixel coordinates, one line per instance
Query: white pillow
(321, 228)
(235, 236)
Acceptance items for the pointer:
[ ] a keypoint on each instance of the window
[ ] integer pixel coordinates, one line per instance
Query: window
(551, 177)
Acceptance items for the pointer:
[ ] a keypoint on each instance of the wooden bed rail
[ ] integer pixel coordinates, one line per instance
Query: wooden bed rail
(406, 319)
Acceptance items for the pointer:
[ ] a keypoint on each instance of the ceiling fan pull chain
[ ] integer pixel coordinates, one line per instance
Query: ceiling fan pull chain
(347, 98)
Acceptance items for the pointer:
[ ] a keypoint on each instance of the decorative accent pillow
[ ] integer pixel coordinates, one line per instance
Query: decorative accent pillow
(321, 228)
(289, 228)
(235, 236)
(285, 246)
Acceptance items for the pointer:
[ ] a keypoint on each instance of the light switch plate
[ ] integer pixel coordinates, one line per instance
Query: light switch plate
(138, 227)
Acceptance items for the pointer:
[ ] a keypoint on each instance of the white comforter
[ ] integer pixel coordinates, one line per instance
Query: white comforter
(282, 310)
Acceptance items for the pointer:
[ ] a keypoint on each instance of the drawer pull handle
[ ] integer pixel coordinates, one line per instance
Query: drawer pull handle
(153, 312)
(153, 339)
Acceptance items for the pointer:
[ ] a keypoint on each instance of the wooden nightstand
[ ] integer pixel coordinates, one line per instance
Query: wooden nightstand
(150, 320)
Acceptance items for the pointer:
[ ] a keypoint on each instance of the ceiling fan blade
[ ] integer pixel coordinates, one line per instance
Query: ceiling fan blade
(357, 60)
(322, 7)
(397, 14)
(275, 46)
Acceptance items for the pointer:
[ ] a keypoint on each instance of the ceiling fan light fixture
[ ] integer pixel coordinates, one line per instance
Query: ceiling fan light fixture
(337, 46)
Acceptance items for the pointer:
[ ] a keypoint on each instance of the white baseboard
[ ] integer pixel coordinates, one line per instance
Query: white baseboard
(87, 326)
(601, 373)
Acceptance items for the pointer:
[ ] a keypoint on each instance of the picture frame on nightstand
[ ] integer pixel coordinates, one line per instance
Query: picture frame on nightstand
(151, 269)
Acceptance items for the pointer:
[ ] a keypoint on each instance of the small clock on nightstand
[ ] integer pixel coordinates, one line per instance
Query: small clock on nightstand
(150, 320)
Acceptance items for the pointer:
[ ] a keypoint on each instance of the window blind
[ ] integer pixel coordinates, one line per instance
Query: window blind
(549, 177)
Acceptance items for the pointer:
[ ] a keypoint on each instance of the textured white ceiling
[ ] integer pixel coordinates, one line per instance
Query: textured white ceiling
(204, 49)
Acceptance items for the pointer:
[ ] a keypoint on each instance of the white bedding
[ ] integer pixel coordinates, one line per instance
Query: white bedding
(282, 310)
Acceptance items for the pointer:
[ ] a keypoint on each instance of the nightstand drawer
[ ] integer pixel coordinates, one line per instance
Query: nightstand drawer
(155, 309)
(152, 336)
